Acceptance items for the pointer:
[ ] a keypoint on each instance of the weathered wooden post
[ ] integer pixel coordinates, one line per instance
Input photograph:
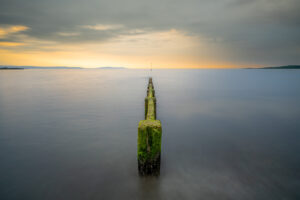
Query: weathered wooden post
(149, 137)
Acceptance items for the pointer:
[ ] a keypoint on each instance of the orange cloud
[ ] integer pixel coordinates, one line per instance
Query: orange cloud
(103, 27)
(5, 31)
(10, 44)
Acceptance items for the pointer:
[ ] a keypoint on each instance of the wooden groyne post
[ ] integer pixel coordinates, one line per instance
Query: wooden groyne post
(149, 137)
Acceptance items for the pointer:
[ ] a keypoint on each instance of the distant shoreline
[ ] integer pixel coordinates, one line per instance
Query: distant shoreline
(11, 68)
(280, 67)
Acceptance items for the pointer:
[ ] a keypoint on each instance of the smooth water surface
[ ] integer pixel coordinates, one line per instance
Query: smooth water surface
(72, 134)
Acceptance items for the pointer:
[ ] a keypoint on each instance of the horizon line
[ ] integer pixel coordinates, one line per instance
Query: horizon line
(121, 67)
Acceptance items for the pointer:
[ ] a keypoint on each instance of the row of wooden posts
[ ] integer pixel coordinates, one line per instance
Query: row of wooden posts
(149, 137)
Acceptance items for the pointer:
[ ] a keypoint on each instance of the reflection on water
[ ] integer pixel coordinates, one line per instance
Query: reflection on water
(227, 134)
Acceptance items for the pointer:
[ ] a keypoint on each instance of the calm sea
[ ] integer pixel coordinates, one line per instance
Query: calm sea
(72, 134)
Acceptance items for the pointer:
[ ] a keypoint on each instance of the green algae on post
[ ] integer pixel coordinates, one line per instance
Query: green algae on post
(149, 137)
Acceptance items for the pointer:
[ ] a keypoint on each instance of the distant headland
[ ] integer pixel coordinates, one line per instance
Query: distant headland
(11, 68)
(280, 67)
(111, 68)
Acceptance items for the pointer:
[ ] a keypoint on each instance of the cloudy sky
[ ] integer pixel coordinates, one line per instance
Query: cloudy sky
(133, 33)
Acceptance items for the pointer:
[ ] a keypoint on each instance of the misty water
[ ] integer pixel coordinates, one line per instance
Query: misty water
(72, 134)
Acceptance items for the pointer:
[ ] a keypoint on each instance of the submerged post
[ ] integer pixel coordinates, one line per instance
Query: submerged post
(149, 137)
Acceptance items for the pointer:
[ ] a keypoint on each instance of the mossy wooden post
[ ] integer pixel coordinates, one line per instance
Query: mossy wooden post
(149, 137)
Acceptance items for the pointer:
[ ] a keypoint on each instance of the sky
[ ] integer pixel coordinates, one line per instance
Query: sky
(135, 33)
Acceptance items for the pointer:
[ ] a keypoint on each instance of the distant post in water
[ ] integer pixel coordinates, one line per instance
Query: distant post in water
(149, 137)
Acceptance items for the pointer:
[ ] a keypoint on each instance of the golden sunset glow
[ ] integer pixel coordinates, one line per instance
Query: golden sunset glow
(167, 49)
(10, 44)
(133, 34)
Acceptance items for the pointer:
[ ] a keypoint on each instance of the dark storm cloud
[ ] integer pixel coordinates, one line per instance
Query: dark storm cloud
(249, 31)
